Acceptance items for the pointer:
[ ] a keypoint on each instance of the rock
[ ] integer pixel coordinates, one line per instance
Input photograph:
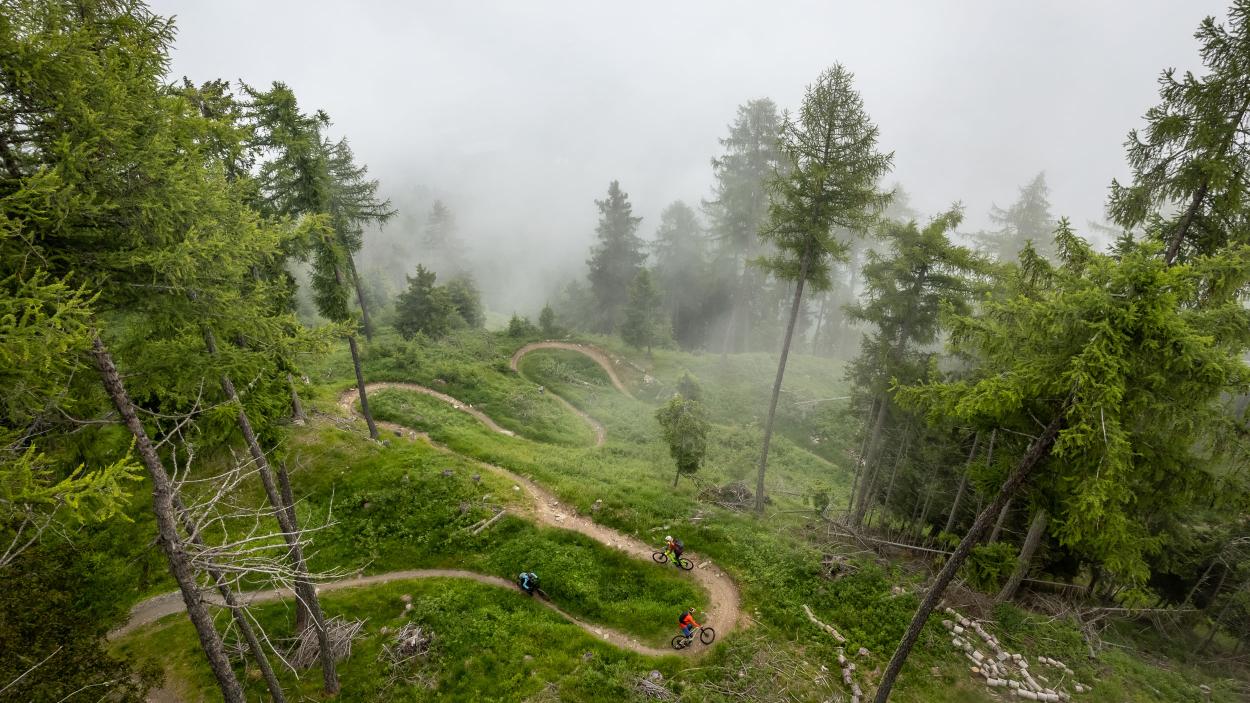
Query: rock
(366, 505)
(398, 433)
(406, 598)
(937, 671)
(447, 473)
(862, 652)
(407, 607)
(476, 478)
(528, 658)
(655, 675)
(588, 656)
(596, 506)
(386, 442)
(516, 487)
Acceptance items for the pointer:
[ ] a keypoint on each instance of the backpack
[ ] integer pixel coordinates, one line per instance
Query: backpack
(681, 619)
(678, 547)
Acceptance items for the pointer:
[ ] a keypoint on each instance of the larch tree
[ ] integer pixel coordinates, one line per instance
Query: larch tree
(684, 424)
(918, 274)
(1191, 163)
(616, 258)
(108, 183)
(1112, 376)
(832, 167)
(304, 177)
(738, 207)
(1026, 220)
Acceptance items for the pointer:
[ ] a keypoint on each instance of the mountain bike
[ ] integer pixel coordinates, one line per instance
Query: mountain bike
(661, 557)
(706, 636)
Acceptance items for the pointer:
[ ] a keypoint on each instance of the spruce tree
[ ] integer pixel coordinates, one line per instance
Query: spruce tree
(441, 246)
(680, 271)
(738, 208)
(424, 308)
(616, 258)
(641, 328)
(830, 183)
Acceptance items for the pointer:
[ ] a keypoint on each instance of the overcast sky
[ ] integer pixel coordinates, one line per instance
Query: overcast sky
(520, 113)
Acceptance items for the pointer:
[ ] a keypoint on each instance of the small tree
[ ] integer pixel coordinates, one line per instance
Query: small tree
(466, 299)
(424, 307)
(520, 327)
(547, 322)
(684, 423)
(642, 317)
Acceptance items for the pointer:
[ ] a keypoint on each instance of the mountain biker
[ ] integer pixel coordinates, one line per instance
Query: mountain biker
(673, 549)
(528, 581)
(687, 623)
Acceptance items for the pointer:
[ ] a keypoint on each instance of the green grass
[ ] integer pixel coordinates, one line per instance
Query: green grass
(490, 644)
(386, 521)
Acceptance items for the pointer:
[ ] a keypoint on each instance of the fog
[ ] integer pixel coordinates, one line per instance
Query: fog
(518, 114)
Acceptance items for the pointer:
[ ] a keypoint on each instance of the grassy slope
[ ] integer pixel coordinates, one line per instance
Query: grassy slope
(631, 475)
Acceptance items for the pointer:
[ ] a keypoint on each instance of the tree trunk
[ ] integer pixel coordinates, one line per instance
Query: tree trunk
(297, 408)
(360, 385)
(167, 530)
(302, 618)
(1031, 541)
(781, 370)
(928, 502)
(870, 460)
(863, 447)
(734, 302)
(1189, 597)
(963, 485)
(820, 323)
(998, 524)
(1215, 626)
(1038, 450)
(306, 594)
(898, 460)
(360, 297)
(236, 610)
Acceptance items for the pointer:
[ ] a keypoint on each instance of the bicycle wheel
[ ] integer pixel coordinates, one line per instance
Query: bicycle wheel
(685, 563)
(659, 557)
(679, 642)
(706, 635)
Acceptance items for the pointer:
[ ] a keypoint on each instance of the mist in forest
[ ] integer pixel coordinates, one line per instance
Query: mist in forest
(517, 116)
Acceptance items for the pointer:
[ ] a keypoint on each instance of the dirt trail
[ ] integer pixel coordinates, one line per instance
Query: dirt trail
(723, 613)
(159, 606)
(598, 355)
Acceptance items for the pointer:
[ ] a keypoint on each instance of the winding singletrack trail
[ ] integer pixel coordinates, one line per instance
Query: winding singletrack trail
(723, 613)
(599, 356)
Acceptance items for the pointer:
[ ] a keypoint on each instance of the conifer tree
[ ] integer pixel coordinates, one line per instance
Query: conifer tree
(738, 208)
(1026, 220)
(424, 308)
(684, 424)
(832, 171)
(441, 245)
(680, 271)
(642, 316)
(616, 258)
(1112, 376)
(1191, 164)
(918, 274)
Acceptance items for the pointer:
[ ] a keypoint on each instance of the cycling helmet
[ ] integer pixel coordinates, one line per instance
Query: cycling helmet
(668, 538)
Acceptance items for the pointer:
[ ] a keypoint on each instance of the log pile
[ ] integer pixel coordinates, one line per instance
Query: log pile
(652, 687)
(733, 496)
(848, 666)
(404, 654)
(1003, 669)
(340, 631)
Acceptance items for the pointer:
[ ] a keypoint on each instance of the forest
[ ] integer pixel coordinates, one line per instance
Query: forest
(276, 429)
